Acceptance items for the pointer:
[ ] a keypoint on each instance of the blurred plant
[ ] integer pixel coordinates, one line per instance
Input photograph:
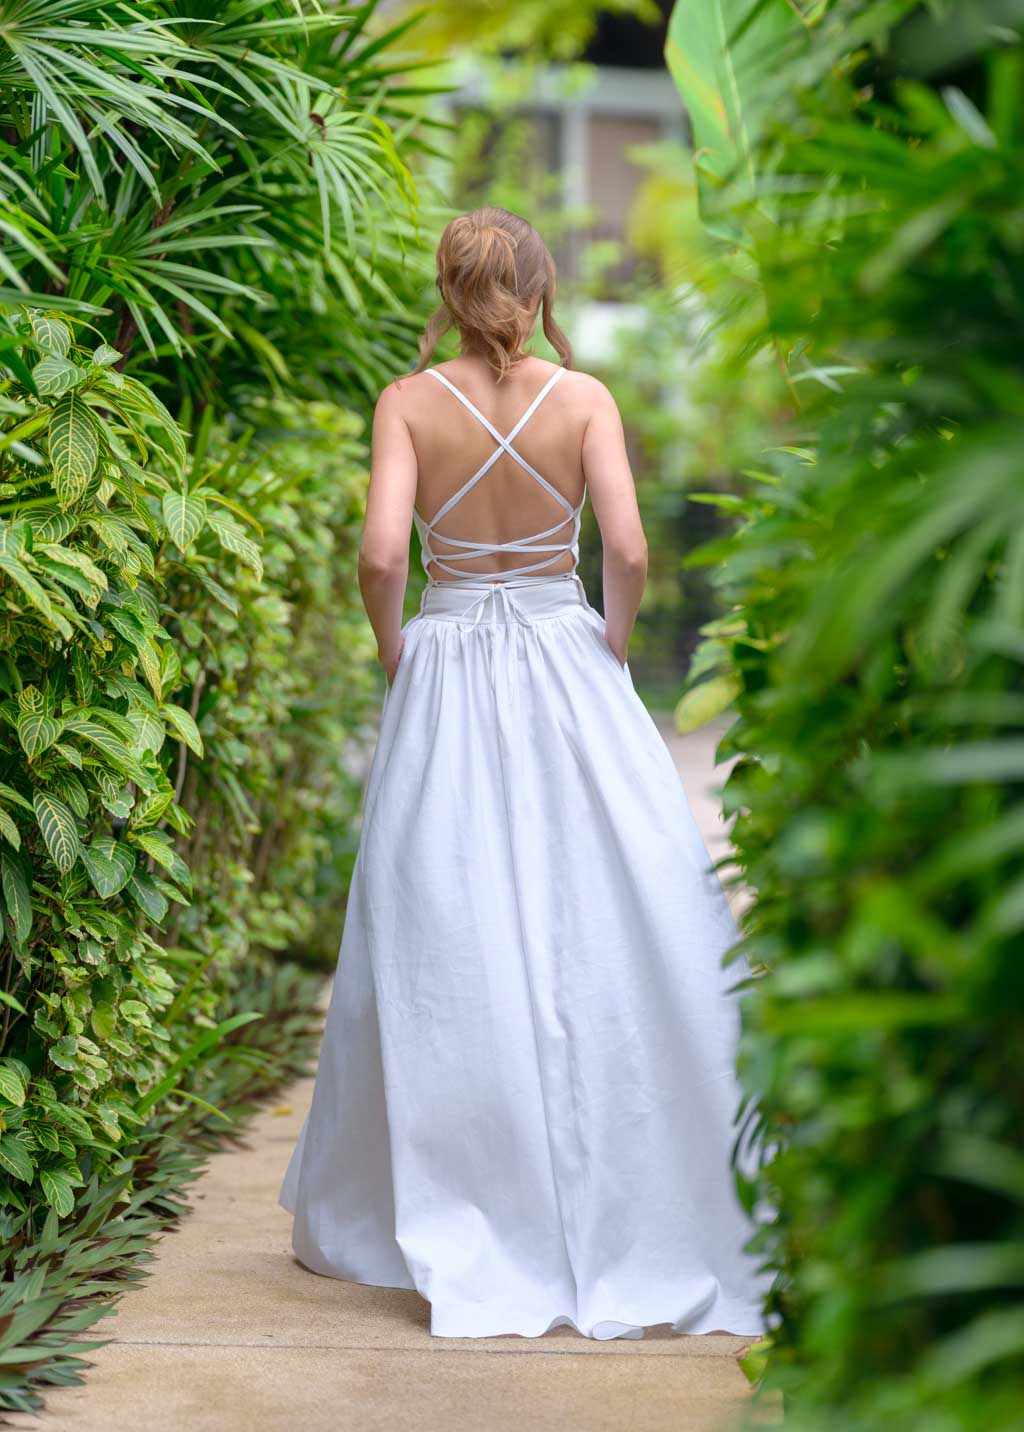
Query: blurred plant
(539, 29)
(875, 637)
(697, 395)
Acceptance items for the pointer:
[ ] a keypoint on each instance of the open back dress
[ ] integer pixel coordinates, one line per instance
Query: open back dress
(525, 1098)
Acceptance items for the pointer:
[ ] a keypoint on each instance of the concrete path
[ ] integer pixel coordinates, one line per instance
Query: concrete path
(231, 1332)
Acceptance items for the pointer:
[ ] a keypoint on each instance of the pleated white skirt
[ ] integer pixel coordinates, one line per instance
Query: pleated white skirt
(525, 1096)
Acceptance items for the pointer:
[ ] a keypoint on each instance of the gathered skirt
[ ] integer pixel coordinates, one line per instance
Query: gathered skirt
(525, 1098)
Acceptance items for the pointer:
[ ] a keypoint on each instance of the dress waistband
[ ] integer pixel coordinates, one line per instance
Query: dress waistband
(520, 600)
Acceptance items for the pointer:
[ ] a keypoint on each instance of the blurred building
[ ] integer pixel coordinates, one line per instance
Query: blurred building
(579, 128)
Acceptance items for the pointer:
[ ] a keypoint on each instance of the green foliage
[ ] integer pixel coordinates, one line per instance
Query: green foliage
(727, 58)
(545, 30)
(143, 657)
(59, 1273)
(222, 179)
(209, 244)
(876, 587)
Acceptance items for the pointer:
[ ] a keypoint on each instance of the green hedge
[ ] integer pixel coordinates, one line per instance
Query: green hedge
(184, 675)
(875, 635)
(60, 1277)
(209, 268)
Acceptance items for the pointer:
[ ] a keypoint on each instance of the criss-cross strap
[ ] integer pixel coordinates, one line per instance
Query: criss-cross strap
(527, 545)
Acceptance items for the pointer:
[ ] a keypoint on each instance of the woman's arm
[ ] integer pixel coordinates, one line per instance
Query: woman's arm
(384, 546)
(613, 498)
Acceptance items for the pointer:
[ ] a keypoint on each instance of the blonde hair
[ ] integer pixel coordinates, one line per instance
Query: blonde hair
(491, 267)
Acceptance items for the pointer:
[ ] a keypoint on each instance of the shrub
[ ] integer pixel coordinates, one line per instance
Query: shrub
(875, 633)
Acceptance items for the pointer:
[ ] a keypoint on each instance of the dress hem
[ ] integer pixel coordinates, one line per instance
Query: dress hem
(734, 1319)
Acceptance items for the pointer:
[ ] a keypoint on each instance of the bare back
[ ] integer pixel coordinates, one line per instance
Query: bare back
(533, 516)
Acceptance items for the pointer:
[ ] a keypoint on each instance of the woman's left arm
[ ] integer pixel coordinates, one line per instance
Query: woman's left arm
(384, 545)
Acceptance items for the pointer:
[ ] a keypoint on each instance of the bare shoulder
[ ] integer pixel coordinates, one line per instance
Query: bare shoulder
(577, 384)
(402, 395)
(587, 394)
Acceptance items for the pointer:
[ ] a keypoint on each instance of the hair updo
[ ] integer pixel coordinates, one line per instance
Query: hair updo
(492, 266)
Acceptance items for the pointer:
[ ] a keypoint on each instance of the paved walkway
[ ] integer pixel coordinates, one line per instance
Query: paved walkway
(230, 1332)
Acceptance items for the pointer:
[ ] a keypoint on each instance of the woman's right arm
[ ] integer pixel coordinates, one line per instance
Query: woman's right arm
(613, 497)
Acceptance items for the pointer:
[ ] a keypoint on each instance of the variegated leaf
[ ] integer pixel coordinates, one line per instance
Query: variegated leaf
(12, 1086)
(15, 1158)
(59, 830)
(17, 894)
(74, 445)
(159, 849)
(30, 698)
(37, 732)
(150, 663)
(184, 516)
(9, 830)
(58, 1191)
(51, 334)
(233, 539)
(118, 852)
(184, 725)
(36, 593)
(112, 747)
(72, 557)
(107, 876)
(149, 731)
(51, 525)
(53, 375)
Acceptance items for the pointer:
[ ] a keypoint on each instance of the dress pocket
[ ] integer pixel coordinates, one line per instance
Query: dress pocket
(597, 622)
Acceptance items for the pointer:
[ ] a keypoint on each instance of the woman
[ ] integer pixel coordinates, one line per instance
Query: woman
(524, 1102)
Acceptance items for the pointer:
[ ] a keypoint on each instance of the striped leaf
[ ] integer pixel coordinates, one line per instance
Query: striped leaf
(112, 747)
(184, 726)
(233, 539)
(72, 557)
(51, 525)
(159, 849)
(149, 660)
(37, 594)
(37, 732)
(30, 698)
(9, 830)
(127, 625)
(51, 334)
(104, 355)
(72, 792)
(57, 823)
(10, 794)
(146, 894)
(74, 442)
(53, 375)
(16, 1159)
(149, 731)
(17, 895)
(107, 876)
(184, 516)
(12, 1086)
(58, 1191)
(118, 853)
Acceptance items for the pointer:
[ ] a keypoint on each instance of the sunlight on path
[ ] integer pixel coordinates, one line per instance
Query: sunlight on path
(230, 1332)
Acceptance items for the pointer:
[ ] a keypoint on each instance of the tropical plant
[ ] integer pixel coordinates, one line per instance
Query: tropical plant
(198, 202)
(217, 177)
(874, 633)
(58, 1280)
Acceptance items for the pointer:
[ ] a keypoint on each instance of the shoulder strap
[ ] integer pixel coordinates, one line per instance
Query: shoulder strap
(486, 423)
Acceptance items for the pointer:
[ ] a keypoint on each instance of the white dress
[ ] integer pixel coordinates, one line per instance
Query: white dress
(525, 1096)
